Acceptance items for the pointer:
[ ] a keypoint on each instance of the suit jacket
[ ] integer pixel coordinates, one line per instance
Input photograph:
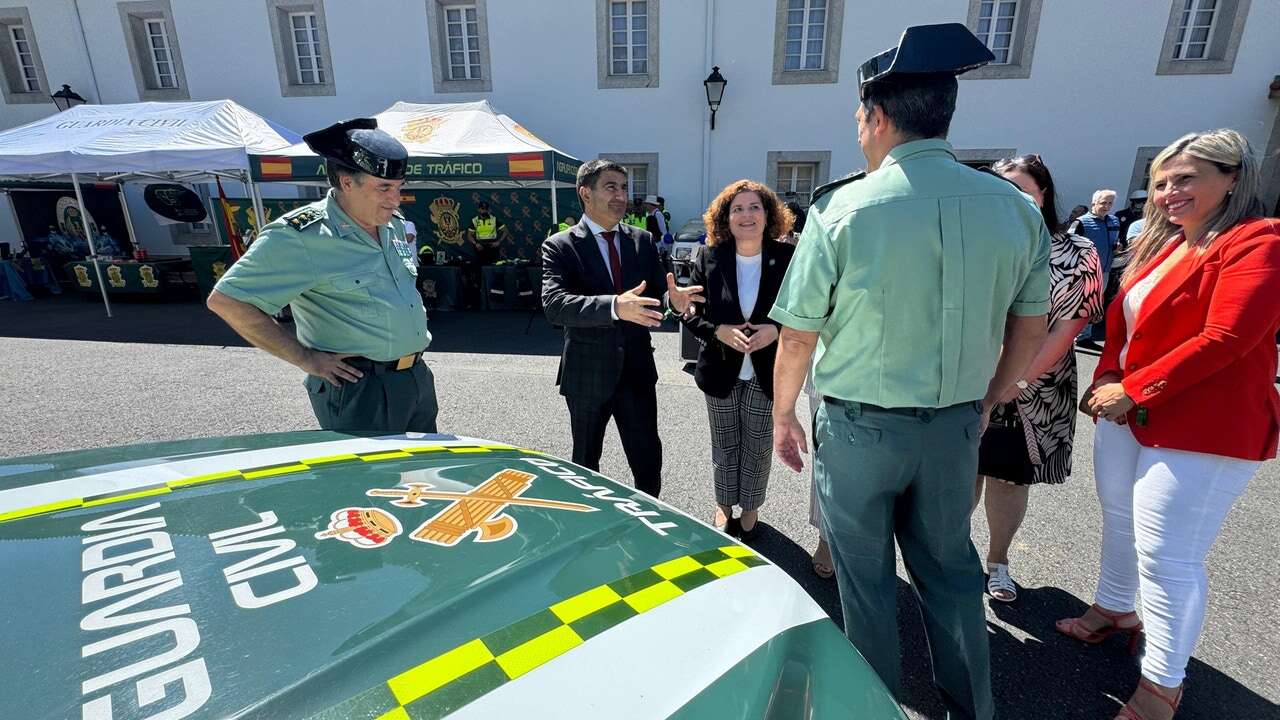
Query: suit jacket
(1202, 356)
(717, 272)
(578, 292)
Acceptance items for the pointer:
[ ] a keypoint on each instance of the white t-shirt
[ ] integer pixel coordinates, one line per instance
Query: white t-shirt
(748, 267)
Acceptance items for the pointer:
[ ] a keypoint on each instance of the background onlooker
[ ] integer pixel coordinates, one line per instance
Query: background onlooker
(1029, 438)
(1101, 227)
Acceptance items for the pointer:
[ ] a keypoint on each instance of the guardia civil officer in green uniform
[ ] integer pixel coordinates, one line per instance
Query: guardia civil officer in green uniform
(344, 266)
(907, 279)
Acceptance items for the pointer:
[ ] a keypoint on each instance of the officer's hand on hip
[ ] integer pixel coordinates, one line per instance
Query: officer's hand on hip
(788, 441)
(682, 297)
(329, 366)
(633, 306)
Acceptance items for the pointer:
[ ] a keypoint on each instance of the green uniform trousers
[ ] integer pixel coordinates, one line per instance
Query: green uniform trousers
(907, 474)
(383, 400)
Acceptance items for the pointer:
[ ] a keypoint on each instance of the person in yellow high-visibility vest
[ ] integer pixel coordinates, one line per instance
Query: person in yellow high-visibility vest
(565, 224)
(486, 234)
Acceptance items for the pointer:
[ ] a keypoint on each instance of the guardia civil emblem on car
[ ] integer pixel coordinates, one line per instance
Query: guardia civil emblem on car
(324, 575)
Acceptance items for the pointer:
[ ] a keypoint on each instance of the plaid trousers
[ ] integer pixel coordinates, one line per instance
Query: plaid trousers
(741, 444)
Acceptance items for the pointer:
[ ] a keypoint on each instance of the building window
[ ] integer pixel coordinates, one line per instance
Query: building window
(1194, 29)
(463, 32)
(806, 46)
(794, 175)
(806, 31)
(641, 169)
(459, 34)
(300, 36)
(21, 69)
(996, 21)
(154, 50)
(29, 79)
(1009, 29)
(1141, 177)
(637, 180)
(628, 38)
(306, 48)
(161, 55)
(796, 178)
(1202, 37)
(627, 43)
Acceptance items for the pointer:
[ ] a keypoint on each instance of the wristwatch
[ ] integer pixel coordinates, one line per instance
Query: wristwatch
(1021, 384)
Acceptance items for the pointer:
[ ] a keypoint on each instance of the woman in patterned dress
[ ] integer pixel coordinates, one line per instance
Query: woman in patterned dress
(1029, 438)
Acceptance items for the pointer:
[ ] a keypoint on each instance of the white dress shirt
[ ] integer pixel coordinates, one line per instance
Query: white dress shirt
(598, 230)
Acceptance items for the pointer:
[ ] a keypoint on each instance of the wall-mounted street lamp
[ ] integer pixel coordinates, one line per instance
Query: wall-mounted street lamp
(714, 84)
(66, 98)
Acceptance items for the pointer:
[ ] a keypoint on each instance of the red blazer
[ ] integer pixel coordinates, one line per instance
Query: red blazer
(1202, 357)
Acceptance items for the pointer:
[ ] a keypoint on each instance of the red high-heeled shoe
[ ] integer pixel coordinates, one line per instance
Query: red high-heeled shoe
(1128, 713)
(1127, 623)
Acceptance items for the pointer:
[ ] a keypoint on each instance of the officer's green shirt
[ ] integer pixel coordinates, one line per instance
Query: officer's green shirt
(908, 275)
(349, 293)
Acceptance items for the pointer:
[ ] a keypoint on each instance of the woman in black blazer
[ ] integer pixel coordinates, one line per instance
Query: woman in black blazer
(740, 270)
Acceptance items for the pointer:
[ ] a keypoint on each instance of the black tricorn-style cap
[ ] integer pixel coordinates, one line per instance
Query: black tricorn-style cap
(944, 49)
(359, 145)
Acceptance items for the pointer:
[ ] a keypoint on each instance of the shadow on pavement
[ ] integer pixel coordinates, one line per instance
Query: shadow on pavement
(1044, 670)
(1089, 681)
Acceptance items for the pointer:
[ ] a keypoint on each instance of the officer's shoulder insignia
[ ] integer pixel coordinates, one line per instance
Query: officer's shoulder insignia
(303, 217)
(824, 189)
(398, 214)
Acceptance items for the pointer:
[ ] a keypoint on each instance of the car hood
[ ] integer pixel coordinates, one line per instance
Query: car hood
(331, 575)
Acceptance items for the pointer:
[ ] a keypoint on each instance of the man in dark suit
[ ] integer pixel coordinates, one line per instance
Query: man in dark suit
(603, 282)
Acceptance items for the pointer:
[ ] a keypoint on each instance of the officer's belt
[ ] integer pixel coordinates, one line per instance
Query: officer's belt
(920, 412)
(402, 363)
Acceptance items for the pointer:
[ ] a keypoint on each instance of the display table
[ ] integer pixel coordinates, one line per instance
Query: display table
(160, 276)
(37, 273)
(209, 263)
(441, 286)
(11, 285)
(511, 287)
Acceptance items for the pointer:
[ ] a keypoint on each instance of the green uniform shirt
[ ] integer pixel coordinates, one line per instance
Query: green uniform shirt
(908, 274)
(349, 293)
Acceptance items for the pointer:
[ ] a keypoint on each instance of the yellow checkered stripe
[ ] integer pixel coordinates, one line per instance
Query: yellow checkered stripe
(448, 681)
(255, 473)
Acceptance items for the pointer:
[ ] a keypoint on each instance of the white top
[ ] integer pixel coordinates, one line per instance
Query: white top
(662, 224)
(1133, 304)
(748, 271)
(410, 229)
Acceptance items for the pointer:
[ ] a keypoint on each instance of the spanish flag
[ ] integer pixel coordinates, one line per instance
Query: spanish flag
(274, 167)
(233, 232)
(525, 165)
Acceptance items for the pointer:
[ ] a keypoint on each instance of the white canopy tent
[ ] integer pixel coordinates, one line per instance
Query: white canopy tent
(139, 142)
(451, 145)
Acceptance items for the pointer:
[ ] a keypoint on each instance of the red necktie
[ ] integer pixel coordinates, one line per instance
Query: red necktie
(615, 263)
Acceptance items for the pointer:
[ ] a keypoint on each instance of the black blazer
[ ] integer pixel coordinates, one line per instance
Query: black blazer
(577, 293)
(717, 271)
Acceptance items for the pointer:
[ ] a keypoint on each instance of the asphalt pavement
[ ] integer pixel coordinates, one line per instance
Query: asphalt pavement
(71, 379)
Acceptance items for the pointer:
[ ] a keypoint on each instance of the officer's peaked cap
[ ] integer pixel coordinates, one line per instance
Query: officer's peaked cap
(360, 146)
(946, 49)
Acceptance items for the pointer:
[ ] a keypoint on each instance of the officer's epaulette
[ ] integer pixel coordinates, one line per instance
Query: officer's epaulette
(397, 213)
(303, 217)
(824, 189)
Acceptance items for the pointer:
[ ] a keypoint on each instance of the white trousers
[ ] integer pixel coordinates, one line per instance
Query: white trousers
(1161, 512)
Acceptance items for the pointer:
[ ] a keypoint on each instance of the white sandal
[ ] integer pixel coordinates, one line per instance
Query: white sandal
(1000, 586)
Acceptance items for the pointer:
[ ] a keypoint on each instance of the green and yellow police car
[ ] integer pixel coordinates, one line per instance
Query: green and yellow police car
(324, 575)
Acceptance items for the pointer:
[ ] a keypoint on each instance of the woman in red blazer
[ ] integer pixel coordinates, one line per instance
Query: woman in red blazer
(1185, 394)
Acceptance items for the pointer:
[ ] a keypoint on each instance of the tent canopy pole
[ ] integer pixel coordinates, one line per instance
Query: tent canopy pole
(88, 232)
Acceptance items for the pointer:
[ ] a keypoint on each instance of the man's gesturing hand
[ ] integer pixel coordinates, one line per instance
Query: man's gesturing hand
(330, 367)
(632, 306)
(681, 297)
